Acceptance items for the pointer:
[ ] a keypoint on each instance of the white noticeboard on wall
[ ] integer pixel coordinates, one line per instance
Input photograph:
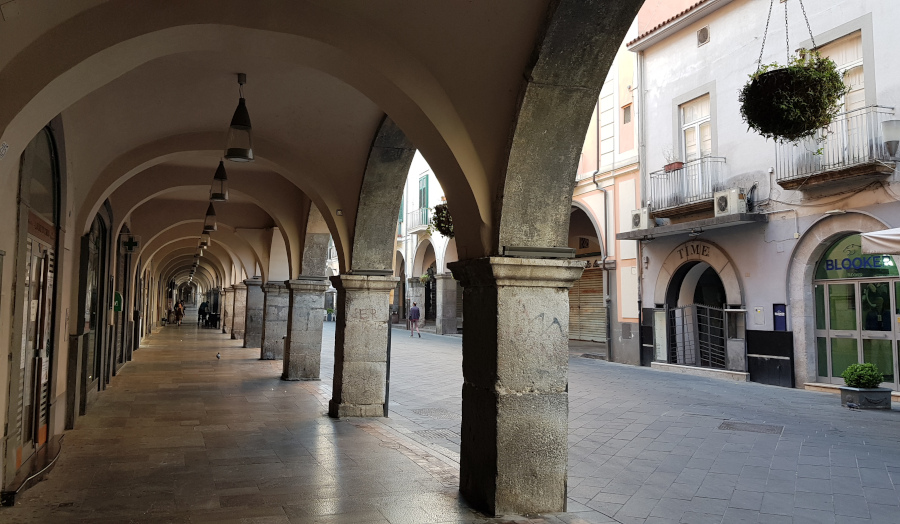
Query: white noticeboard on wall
(659, 334)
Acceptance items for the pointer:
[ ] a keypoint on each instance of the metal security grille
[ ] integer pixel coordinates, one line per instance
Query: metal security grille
(711, 336)
(587, 307)
(697, 336)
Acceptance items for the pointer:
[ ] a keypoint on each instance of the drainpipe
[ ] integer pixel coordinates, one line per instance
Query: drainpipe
(605, 250)
(642, 166)
(603, 245)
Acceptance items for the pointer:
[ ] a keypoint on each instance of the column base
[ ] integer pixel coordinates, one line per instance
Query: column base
(337, 410)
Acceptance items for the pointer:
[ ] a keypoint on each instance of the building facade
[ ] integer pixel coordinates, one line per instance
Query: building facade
(604, 302)
(750, 251)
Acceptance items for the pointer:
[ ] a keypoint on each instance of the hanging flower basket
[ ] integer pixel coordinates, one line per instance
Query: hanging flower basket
(442, 220)
(791, 103)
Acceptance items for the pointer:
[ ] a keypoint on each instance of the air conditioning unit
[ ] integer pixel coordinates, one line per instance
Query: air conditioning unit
(640, 218)
(730, 201)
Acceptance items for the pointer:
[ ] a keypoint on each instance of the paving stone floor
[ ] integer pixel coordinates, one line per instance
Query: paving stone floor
(182, 437)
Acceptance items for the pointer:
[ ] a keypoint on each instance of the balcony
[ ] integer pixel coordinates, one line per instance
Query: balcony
(687, 190)
(418, 219)
(852, 148)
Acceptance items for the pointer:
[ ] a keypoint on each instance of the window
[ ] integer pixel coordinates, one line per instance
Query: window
(847, 54)
(423, 192)
(696, 129)
(626, 114)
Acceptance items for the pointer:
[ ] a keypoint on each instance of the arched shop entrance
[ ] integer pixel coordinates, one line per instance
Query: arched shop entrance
(35, 287)
(699, 320)
(857, 311)
(695, 283)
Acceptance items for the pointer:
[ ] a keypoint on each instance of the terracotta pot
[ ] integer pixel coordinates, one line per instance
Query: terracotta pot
(674, 166)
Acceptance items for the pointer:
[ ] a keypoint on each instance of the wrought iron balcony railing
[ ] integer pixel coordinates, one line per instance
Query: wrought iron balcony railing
(694, 183)
(853, 139)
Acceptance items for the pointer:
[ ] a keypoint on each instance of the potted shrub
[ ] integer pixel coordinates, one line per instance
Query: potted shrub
(862, 388)
(329, 312)
(792, 102)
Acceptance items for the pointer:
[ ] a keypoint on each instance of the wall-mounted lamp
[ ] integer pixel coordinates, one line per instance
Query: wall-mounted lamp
(890, 131)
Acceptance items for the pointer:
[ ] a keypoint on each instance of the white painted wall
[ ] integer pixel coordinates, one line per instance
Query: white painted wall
(676, 66)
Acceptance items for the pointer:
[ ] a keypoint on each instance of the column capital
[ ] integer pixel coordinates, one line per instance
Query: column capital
(443, 276)
(238, 286)
(253, 282)
(364, 282)
(521, 272)
(308, 284)
(274, 286)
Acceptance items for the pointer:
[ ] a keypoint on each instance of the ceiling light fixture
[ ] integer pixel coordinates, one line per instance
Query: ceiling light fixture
(219, 190)
(204, 240)
(239, 147)
(209, 224)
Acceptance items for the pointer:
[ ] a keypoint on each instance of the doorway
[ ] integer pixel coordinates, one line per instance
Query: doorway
(695, 301)
(857, 299)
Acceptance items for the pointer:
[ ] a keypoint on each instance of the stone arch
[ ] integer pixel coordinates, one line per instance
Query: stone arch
(560, 90)
(593, 220)
(450, 254)
(399, 263)
(425, 254)
(326, 40)
(804, 258)
(282, 200)
(380, 198)
(706, 252)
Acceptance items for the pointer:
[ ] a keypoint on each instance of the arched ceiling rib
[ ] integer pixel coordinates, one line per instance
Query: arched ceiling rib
(404, 62)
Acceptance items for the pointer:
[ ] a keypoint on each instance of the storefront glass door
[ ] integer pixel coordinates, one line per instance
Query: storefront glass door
(857, 299)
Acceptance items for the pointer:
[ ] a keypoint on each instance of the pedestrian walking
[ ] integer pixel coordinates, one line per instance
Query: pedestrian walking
(414, 315)
(179, 313)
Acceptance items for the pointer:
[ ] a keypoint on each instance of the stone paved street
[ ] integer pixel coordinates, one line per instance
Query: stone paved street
(183, 437)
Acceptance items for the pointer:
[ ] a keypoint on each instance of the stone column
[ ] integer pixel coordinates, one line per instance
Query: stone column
(415, 292)
(253, 323)
(227, 299)
(275, 311)
(238, 311)
(360, 345)
(303, 349)
(446, 304)
(514, 435)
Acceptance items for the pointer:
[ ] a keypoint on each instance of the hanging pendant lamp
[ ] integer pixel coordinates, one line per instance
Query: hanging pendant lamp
(209, 224)
(219, 190)
(239, 147)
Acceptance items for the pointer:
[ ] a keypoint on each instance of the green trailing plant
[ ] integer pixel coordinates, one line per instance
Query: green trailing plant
(442, 221)
(793, 102)
(424, 278)
(862, 376)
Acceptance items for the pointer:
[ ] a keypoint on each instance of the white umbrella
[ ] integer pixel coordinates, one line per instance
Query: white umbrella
(885, 242)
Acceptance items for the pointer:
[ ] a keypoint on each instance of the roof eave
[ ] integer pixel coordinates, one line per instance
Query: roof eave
(701, 11)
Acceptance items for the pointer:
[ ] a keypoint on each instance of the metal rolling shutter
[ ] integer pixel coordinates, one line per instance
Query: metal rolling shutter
(587, 309)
